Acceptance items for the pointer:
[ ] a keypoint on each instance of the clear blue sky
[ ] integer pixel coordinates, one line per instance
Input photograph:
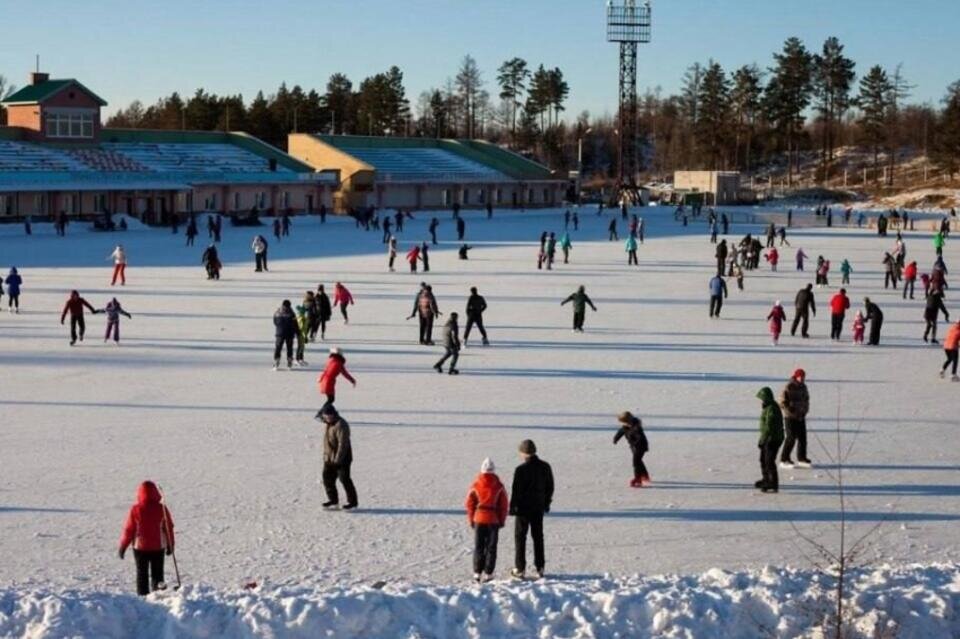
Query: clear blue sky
(125, 50)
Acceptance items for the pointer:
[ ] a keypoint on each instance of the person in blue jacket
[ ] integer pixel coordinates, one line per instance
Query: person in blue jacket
(718, 291)
(13, 282)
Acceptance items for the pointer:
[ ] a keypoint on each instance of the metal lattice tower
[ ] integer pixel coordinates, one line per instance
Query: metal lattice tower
(629, 25)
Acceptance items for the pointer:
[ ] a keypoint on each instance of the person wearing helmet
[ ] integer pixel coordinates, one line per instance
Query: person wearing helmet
(795, 404)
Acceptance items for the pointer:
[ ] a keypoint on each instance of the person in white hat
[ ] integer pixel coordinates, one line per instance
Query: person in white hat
(336, 366)
(487, 509)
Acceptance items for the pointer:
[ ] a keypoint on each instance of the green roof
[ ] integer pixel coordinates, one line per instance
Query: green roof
(35, 93)
(507, 162)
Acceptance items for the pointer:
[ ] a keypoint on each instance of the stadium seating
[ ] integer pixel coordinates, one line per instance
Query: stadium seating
(21, 156)
(216, 158)
(105, 160)
(399, 165)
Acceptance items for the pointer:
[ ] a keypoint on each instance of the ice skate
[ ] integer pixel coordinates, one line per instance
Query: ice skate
(516, 573)
(276, 365)
(804, 463)
(786, 464)
(477, 577)
(330, 505)
(955, 378)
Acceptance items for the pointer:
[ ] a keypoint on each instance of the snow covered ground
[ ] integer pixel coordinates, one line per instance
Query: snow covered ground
(189, 401)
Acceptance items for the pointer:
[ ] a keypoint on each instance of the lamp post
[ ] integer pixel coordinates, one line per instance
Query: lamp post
(580, 159)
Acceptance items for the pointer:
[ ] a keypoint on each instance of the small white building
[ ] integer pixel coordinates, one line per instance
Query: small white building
(719, 187)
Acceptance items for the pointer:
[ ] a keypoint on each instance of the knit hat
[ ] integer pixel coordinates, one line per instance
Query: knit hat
(799, 374)
(527, 447)
(334, 350)
(487, 466)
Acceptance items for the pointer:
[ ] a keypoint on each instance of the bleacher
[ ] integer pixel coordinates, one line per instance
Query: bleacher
(215, 158)
(105, 160)
(400, 165)
(21, 156)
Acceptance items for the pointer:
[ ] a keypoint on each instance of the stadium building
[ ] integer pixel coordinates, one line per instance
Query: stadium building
(426, 173)
(55, 158)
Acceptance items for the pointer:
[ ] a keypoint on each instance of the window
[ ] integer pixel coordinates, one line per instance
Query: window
(466, 196)
(69, 125)
(213, 202)
(6, 205)
(38, 203)
(286, 199)
(481, 196)
(499, 196)
(262, 200)
(236, 201)
(546, 196)
(529, 196)
(446, 197)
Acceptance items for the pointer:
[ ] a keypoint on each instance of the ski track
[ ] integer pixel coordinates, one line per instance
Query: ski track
(189, 401)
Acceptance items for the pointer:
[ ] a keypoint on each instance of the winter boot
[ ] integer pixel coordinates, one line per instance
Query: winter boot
(329, 504)
(786, 463)
(758, 484)
(516, 573)
(289, 363)
(453, 371)
(477, 577)
(437, 368)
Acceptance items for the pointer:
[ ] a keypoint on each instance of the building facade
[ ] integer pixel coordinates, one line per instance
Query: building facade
(719, 187)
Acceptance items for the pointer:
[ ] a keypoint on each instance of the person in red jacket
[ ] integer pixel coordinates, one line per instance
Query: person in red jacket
(149, 527)
(413, 256)
(839, 304)
(487, 508)
(773, 257)
(909, 278)
(74, 306)
(951, 348)
(336, 366)
(341, 298)
(776, 317)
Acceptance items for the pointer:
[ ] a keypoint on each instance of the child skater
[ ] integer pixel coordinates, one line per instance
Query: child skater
(487, 508)
(776, 318)
(632, 428)
(858, 327)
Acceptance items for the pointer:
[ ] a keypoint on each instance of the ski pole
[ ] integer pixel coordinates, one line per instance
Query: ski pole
(166, 532)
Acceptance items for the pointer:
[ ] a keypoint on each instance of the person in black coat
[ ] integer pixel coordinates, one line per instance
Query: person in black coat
(875, 316)
(721, 255)
(285, 327)
(324, 310)
(805, 304)
(461, 228)
(529, 500)
(931, 312)
(632, 428)
(476, 305)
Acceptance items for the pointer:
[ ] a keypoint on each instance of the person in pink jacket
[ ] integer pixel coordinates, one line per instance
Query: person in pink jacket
(341, 298)
(773, 256)
(858, 328)
(336, 366)
(776, 318)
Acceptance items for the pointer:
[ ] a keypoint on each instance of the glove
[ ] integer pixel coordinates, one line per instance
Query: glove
(169, 550)
(121, 552)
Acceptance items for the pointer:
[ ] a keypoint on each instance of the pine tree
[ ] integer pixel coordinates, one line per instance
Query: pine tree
(339, 104)
(745, 102)
(714, 114)
(558, 92)
(946, 148)
(788, 95)
(833, 79)
(469, 83)
(512, 77)
(538, 97)
(873, 102)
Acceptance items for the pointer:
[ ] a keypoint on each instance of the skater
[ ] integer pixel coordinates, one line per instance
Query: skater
(890, 274)
(771, 235)
(259, 247)
(398, 221)
(487, 507)
(640, 229)
(845, 271)
(565, 246)
(909, 279)
(772, 257)
(303, 312)
(804, 304)
(630, 246)
(425, 308)
(211, 262)
(285, 327)
(839, 304)
(800, 257)
(776, 317)
(489, 211)
(191, 231)
(875, 316)
(738, 274)
(529, 501)
(476, 305)
(795, 404)
(718, 293)
(337, 458)
(576, 221)
(771, 436)
(782, 233)
(342, 298)
(934, 306)
(463, 250)
(13, 281)
(858, 327)
(149, 528)
(451, 343)
(551, 250)
(387, 224)
(74, 306)
(542, 255)
(632, 428)
(938, 241)
(461, 228)
(725, 223)
(721, 255)
(823, 270)
(285, 224)
(413, 255)
(113, 311)
(324, 311)
(580, 301)
(434, 223)
(119, 257)
(276, 228)
(951, 348)
(566, 219)
(713, 231)
(327, 381)
(391, 252)
(612, 230)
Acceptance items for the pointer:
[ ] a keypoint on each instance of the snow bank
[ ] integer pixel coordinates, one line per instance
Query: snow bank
(907, 602)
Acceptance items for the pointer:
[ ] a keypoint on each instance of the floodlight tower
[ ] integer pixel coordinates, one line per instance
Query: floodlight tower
(628, 23)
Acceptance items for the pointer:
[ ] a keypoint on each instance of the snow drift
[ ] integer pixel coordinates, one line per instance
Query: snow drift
(906, 602)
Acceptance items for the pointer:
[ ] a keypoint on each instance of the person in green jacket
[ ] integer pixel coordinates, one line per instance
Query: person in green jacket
(580, 301)
(771, 437)
(565, 246)
(303, 329)
(938, 241)
(846, 270)
(630, 246)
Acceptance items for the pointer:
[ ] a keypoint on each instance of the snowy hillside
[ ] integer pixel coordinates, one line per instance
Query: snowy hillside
(188, 400)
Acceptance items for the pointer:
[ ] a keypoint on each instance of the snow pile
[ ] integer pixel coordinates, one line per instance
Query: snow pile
(912, 601)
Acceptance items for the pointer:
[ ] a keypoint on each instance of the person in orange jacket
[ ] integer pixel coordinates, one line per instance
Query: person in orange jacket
(951, 348)
(336, 366)
(487, 507)
(149, 528)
